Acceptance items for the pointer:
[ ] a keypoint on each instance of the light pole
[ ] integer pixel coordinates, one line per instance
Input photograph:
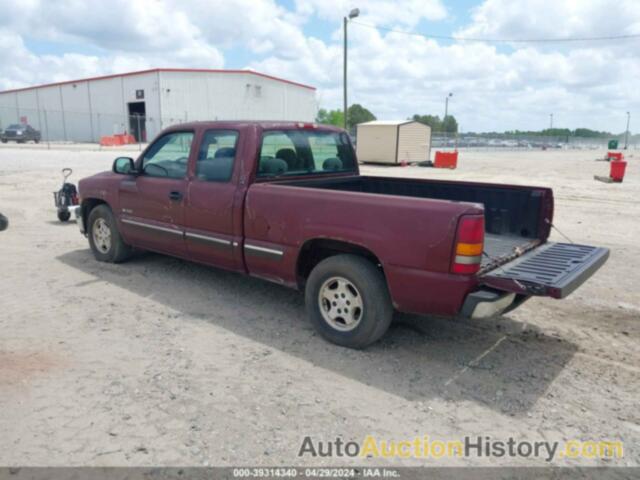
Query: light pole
(551, 121)
(446, 106)
(352, 14)
(626, 132)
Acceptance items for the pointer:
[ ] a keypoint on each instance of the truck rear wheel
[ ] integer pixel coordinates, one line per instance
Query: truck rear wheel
(348, 301)
(105, 240)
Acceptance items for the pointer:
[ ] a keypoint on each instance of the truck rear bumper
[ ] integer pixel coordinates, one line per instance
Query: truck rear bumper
(486, 304)
(552, 270)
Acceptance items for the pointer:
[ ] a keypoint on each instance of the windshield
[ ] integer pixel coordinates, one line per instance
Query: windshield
(15, 126)
(304, 152)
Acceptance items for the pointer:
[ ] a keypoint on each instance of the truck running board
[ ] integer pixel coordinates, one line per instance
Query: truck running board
(552, 270)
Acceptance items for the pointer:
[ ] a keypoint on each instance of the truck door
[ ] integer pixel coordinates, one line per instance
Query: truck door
(213, 209)
(152, 203)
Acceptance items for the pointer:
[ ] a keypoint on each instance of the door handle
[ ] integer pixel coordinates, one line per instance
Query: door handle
(175, 195)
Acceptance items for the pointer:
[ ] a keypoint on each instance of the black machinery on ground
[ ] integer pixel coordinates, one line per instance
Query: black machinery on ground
(66, 197)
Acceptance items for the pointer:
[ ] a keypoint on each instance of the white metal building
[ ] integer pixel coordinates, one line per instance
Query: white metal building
(143, 103)
(393, 141)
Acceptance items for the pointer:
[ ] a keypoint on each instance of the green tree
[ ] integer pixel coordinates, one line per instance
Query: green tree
(356, 114)
(330, 117)
(432, 120)
(587, 132)
(450, 124)
(556, 132)
(322, 116)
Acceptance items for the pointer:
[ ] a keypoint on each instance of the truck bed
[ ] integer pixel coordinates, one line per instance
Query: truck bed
(499, 248)
(513, 214)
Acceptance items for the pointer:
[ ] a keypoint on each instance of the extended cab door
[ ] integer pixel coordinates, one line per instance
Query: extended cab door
(152, 203)
(213, 209)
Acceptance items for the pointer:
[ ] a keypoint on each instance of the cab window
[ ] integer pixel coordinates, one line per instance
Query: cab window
(168, 156)
(216, 155)
(305, 152)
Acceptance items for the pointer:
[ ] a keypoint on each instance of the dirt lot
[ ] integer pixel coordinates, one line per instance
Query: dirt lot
(160, 361)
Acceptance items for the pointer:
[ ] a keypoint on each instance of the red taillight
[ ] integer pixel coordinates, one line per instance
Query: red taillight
(467, 254)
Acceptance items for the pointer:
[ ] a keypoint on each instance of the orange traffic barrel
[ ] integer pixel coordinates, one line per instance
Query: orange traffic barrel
(107, 141)
(446, 160)
(617, 170)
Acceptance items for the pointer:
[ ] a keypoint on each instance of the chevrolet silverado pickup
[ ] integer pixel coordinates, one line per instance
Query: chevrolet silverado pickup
(286, 202)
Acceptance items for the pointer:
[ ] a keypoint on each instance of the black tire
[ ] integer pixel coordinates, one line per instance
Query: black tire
(64, 216)
(377, 310)
(4, 141)
(36, 140)
(117, 251)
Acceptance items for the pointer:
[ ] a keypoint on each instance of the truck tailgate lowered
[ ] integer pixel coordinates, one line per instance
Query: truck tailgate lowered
(552, 270)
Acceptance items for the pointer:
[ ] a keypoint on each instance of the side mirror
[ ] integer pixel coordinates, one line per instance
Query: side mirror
(124, 166)
(4, 222)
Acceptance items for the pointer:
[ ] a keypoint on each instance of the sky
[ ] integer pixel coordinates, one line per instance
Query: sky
(394, 70)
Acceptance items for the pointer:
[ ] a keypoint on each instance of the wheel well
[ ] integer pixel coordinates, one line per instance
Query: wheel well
(89, 204)
(314, 251)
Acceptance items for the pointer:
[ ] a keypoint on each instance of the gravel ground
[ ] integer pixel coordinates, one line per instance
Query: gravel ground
(163, 362)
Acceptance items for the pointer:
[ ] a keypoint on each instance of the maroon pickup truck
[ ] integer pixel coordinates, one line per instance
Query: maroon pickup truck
(285, 202)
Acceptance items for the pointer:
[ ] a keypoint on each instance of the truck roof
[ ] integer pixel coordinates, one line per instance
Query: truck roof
(264, 124)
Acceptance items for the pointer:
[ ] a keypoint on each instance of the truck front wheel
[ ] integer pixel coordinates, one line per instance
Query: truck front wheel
(105, 240)
(348, 301)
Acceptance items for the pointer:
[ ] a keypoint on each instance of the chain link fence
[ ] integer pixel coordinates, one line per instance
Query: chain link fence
(505, 141)
(67, 127)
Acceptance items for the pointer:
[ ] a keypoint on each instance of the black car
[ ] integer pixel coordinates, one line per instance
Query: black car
(20, 133)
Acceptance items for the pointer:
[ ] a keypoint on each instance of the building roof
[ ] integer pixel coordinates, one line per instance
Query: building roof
(387, 122)
(157, 70)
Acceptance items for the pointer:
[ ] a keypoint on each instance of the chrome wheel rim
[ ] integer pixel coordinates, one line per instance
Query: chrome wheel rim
(101, 235)
(340, 304)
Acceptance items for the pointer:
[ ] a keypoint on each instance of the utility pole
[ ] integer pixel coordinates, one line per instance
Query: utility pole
(446, 109)
(352, 14)
(446, 105)
(551, 121)
(626, 132)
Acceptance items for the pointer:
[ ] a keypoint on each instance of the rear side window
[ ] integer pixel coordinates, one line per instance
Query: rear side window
(274, 142)
(216, 156)
(305, 152)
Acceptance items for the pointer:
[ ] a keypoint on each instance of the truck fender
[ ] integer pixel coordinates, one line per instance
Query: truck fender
(314, 250)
